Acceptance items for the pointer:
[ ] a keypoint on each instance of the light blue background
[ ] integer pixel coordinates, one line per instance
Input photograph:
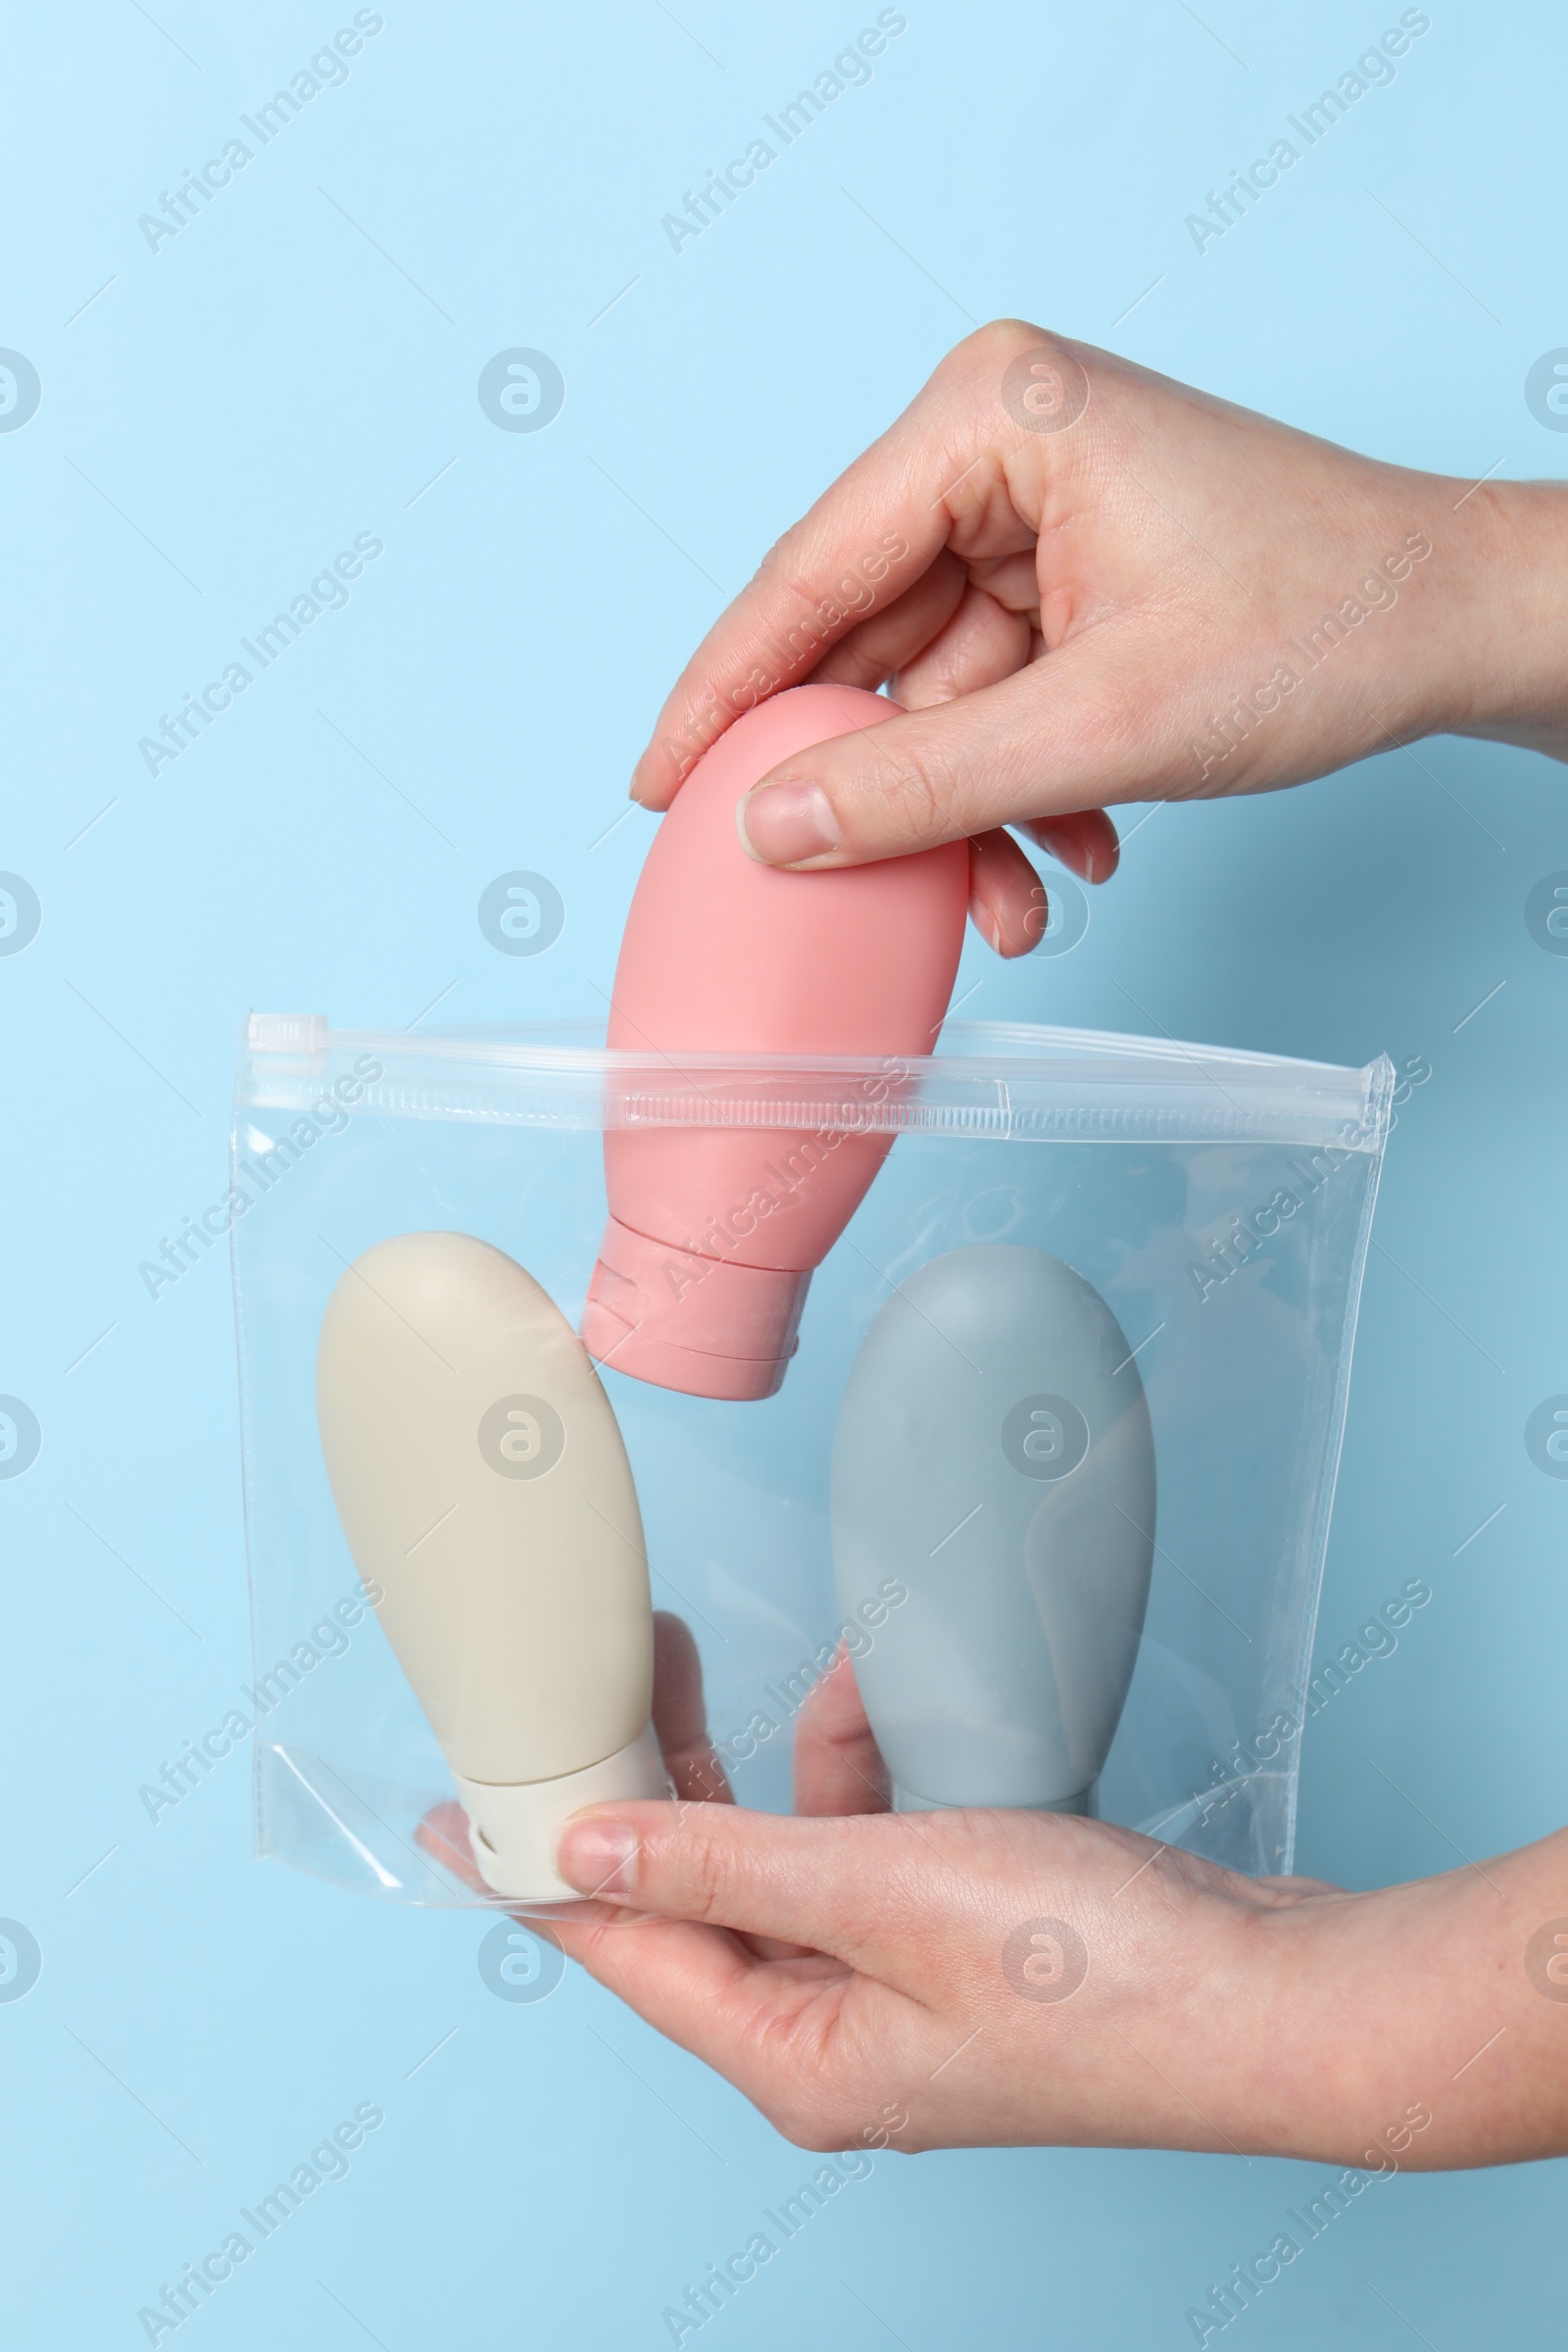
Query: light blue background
(221, 418)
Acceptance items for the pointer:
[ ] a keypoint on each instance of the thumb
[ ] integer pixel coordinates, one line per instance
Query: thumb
(855, 1887)
(1068, 732)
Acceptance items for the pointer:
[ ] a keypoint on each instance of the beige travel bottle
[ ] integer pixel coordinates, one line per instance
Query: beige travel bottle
(482, 1480)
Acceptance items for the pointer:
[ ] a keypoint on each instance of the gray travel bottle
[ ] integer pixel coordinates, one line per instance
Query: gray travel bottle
(993, 1452)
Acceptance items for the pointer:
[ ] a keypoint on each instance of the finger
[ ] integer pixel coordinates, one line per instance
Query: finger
(680, 1720)
(1008, 901)
(982, 643)
(1281, 1892)
(680, 1725)
(861, 547)
(1009, 904)
(853, 1889)
(876, 649)
(443, 1835)
(838, 1764)
(1054, 740)
(864, 544)
(1085, 842)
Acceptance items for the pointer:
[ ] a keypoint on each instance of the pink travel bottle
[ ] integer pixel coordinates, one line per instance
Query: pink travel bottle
(714, 1232)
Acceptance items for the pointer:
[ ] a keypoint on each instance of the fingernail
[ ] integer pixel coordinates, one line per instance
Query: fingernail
(1068, 850)
(784, 824)
(598, 1857)
(986, 923)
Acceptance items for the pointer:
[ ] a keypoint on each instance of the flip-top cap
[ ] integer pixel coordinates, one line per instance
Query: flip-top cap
(513, 1826)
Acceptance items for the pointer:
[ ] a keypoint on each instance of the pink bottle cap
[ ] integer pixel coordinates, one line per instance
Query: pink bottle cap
(702, 1325)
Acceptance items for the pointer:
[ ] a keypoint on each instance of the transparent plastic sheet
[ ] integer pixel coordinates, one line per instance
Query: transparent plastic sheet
(1220, 1202)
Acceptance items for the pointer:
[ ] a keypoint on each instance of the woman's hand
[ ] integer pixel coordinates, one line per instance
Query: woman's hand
(1025, 1979)
(985, 1979)
(1089, 584)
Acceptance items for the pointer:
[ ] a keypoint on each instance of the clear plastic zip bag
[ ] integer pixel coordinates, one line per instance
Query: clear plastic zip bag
(1204, 1214)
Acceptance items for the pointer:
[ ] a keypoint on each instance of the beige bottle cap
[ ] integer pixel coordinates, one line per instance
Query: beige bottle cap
(513, 1827)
